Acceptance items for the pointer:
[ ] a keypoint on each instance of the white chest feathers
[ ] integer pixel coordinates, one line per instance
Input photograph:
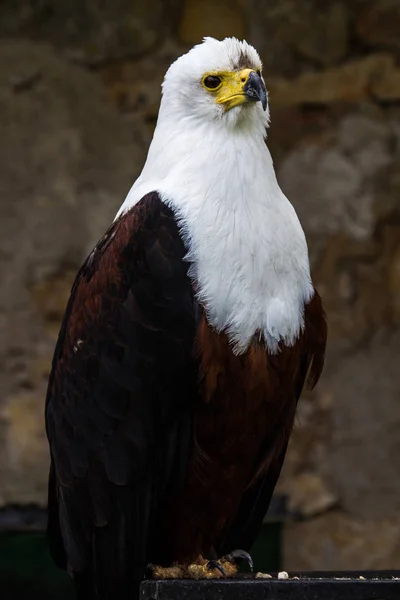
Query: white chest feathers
(248, 253)
(250, 266)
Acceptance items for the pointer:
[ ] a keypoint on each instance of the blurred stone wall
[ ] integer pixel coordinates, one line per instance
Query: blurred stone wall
(79, 93)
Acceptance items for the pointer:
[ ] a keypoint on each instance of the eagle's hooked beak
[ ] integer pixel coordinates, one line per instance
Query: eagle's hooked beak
(255, 89)
(239, 87)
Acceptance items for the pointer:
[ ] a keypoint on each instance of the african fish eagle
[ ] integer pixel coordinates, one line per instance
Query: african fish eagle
(189, 334)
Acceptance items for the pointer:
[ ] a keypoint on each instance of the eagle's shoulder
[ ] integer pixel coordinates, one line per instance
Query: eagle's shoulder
(149, 226)
(141, 253)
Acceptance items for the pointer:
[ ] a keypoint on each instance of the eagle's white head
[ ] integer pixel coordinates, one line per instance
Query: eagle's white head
(208, 160)
(218, 81)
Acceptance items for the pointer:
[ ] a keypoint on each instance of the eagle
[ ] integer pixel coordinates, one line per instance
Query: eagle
(189, 334)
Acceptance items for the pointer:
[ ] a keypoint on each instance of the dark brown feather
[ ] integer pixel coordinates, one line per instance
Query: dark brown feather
(242, 425)
(119, 402)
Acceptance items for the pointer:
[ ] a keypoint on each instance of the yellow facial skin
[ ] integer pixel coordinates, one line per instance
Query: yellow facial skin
(230, 92)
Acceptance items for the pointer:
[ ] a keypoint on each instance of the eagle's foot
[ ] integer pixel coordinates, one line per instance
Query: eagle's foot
(213, 569)
(227, 565)
(201, 568)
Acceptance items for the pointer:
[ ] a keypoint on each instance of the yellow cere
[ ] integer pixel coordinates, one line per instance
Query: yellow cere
(229, 92)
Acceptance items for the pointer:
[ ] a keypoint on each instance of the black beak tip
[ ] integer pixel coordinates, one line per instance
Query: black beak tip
(255, 89)
(264, 101)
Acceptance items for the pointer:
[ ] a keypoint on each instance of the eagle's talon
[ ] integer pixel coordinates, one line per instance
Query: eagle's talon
(241, 554)
(214, 564)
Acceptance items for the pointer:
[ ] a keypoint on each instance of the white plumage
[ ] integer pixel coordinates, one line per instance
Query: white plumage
(246, 246)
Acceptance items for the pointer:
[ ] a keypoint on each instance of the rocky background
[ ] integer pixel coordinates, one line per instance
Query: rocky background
(79, 93)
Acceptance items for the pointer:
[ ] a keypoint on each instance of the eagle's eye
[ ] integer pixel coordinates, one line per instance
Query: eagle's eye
(212, 82)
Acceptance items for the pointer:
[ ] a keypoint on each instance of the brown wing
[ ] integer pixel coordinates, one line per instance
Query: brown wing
(119, 402)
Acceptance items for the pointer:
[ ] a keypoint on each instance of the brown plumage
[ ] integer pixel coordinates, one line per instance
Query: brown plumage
(165, 445)
(242, 425)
